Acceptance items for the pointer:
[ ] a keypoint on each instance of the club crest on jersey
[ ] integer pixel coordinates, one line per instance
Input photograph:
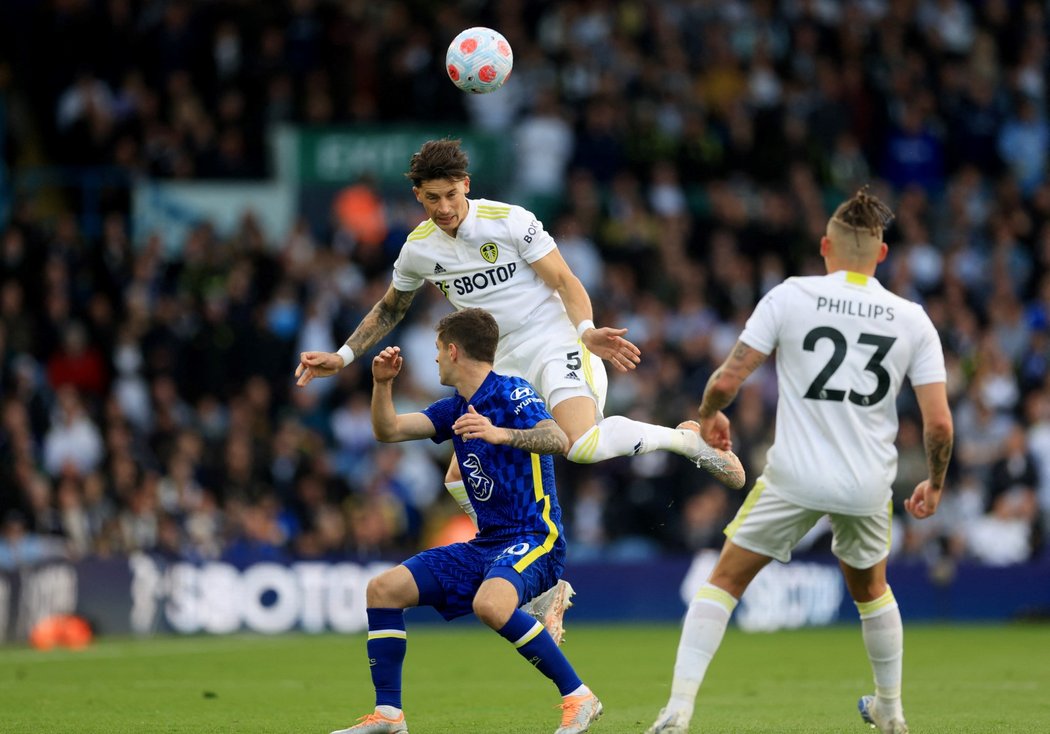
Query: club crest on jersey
(490, 252)
(481, 485)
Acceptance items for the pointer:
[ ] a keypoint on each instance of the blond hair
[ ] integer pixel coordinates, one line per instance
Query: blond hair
(856, 227)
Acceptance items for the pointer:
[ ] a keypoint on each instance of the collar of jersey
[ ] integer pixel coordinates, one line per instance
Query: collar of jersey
(851, 276)
(483, 390)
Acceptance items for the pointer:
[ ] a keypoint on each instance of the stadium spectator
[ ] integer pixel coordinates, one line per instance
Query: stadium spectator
(21, 548)
(819, 86)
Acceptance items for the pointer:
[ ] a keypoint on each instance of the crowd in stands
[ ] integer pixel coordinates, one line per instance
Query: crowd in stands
(685, 154)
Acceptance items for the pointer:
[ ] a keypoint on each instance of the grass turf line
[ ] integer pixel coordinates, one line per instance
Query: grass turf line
(463, 678)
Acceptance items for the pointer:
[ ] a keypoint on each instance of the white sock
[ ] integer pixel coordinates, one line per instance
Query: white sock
(702, 632)
(582, 690)
(458, 490)
(619, 436)
(883, 631)
(388, 711)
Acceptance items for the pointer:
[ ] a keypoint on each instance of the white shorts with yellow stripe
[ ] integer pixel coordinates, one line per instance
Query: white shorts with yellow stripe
(556, 363)
(772, 526)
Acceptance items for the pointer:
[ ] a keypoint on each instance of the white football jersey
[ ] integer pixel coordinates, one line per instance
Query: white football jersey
(844, 346)
(486, 265)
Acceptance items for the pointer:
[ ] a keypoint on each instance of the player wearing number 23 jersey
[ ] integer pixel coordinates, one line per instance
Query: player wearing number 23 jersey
(845, 345)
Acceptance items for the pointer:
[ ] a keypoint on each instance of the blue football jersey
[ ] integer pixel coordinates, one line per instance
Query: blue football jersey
(512, 490)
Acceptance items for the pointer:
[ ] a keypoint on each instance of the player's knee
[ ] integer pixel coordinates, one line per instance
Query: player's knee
(382, 591)
(453, 474)
(490, 611)
(865, 591)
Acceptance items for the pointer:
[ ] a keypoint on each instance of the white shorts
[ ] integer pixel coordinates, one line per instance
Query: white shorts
(770, 525)
(557, 364)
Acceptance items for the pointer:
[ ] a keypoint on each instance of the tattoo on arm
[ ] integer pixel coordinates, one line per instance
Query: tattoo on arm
(546, 437)
(738, 367)
(938, 454)
(381, 320)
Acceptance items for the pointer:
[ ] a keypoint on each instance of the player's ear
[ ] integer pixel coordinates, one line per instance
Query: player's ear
(825, 245)
(466, 185)
(418, 195)
(884, 250)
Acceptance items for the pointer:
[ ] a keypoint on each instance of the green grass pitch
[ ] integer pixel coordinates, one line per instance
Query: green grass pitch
(464, 678)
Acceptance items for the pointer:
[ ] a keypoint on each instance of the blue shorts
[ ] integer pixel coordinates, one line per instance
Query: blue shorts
(448, 577)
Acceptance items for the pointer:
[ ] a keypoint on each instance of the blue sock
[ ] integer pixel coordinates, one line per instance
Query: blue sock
(386, 653)
(536, 645)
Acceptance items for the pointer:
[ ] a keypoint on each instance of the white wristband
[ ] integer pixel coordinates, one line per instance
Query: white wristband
(347, 354)
(584, 326)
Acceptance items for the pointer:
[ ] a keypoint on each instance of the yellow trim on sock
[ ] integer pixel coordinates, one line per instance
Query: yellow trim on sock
(584, 452)
(745, 509)
(866, 608)
(721, 597)
(457, 490)
(526, 638)
(381, 634)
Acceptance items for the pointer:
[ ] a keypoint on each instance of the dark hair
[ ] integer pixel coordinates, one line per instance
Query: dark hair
(438, 159)
(473, 330)
(864, 211)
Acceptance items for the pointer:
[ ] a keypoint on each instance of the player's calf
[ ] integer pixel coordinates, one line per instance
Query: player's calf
(549, 608)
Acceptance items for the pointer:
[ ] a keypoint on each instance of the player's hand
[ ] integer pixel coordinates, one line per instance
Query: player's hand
(472, 425)
(387, 364)
(609, 344)
(923, 501)
(716, 432)
(316, 364)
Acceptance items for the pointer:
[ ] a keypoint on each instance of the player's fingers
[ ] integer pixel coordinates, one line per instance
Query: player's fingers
(299, 369)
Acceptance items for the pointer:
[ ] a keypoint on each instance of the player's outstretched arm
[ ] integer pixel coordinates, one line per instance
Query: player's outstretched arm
(379, 322)
(938, 433)
(546, 437)
(722, 389)
(606, 342)
(387, 425)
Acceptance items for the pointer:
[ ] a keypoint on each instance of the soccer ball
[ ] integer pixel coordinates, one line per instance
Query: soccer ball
(479, 60)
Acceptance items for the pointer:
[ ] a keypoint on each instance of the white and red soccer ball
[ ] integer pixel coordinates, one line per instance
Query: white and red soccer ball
(479, 60)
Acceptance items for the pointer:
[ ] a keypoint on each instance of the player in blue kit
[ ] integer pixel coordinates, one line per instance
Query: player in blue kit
(504, 439)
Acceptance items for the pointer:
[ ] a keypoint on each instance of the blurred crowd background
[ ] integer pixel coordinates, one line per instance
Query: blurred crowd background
(685, 154)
